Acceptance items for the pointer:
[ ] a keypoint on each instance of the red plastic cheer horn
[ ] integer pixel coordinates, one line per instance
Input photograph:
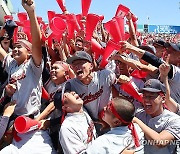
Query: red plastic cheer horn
(62, 5)
(108, 51)
(51, 15)
(113, 28)
(91, 22)
(23, 124)
(57, 25)
(85, 6)
(122, 11)
(45, 94)
(132, 90)
(22, 16)
(96, 48)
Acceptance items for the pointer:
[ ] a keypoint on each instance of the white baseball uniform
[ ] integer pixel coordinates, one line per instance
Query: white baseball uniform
(97, 94)
(76, 132)
(34, 142)
(28, 79)
(116, 140)
(168, 121)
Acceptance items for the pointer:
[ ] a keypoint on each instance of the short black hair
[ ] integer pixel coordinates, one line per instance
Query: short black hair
(124, 108)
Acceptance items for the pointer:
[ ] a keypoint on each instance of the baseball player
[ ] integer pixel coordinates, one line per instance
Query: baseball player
(77, 130)
(25, 67)
(93, 87)
(118, 114)
(163, 126)
(174, 71)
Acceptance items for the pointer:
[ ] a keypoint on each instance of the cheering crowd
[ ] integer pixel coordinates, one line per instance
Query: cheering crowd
(78, 85)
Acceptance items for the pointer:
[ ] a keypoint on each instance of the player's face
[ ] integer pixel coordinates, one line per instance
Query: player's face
(159, 51)
(78, 45)
(72, 102)
(82, 68)
(121, 68)
(108, 115)
(57, 72)
(19, 53)
(152, 103)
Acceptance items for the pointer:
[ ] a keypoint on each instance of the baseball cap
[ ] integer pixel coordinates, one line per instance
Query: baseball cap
(159, 43)
(154, 86)
(176, 47)
(79, 55)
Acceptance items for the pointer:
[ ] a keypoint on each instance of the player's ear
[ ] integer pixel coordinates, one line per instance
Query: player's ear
(116, 122)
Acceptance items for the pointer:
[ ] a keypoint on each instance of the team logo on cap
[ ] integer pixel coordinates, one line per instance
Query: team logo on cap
(148, 83)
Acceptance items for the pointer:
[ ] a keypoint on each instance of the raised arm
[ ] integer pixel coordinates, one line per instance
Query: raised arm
(164, 70)
(29, 6)
(132, 31)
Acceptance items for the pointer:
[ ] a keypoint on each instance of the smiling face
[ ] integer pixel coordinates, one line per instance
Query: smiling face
(20, 53)
(57, 73)
(82, 69)
(72, 102)
(152, 103)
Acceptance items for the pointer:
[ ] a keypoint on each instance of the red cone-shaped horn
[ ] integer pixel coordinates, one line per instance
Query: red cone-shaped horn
(120, 22)
(139, 74)
(70, 28)
(62, 5)
(27, 29)
(91, 22)
(8, 17)
(22, 16)
(23, 124)
(57, 25)
(51, 15)
(74, 19)
(113, 28)
(134, 18)
(85, 6)
(96, 48)
(109, 50)
(45, 94)
(79, 20)
(122, 11)
(132, 90)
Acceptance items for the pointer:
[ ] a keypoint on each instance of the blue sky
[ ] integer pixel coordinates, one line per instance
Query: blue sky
(160, 12)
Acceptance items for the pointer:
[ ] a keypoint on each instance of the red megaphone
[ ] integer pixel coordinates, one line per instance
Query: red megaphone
(22, 16)
(132, 90)
(120, 22)
(45, 94)
(139, 74)
(91, 22)
(51, 15)
(122, 11)
(62, 5)
(8, 17)
(85, 6)
(108, 51)
(113, 28)
(96, 48)
(74, 19)
(27, 29)
(23, 124)
(57, 25)
(79, 20)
